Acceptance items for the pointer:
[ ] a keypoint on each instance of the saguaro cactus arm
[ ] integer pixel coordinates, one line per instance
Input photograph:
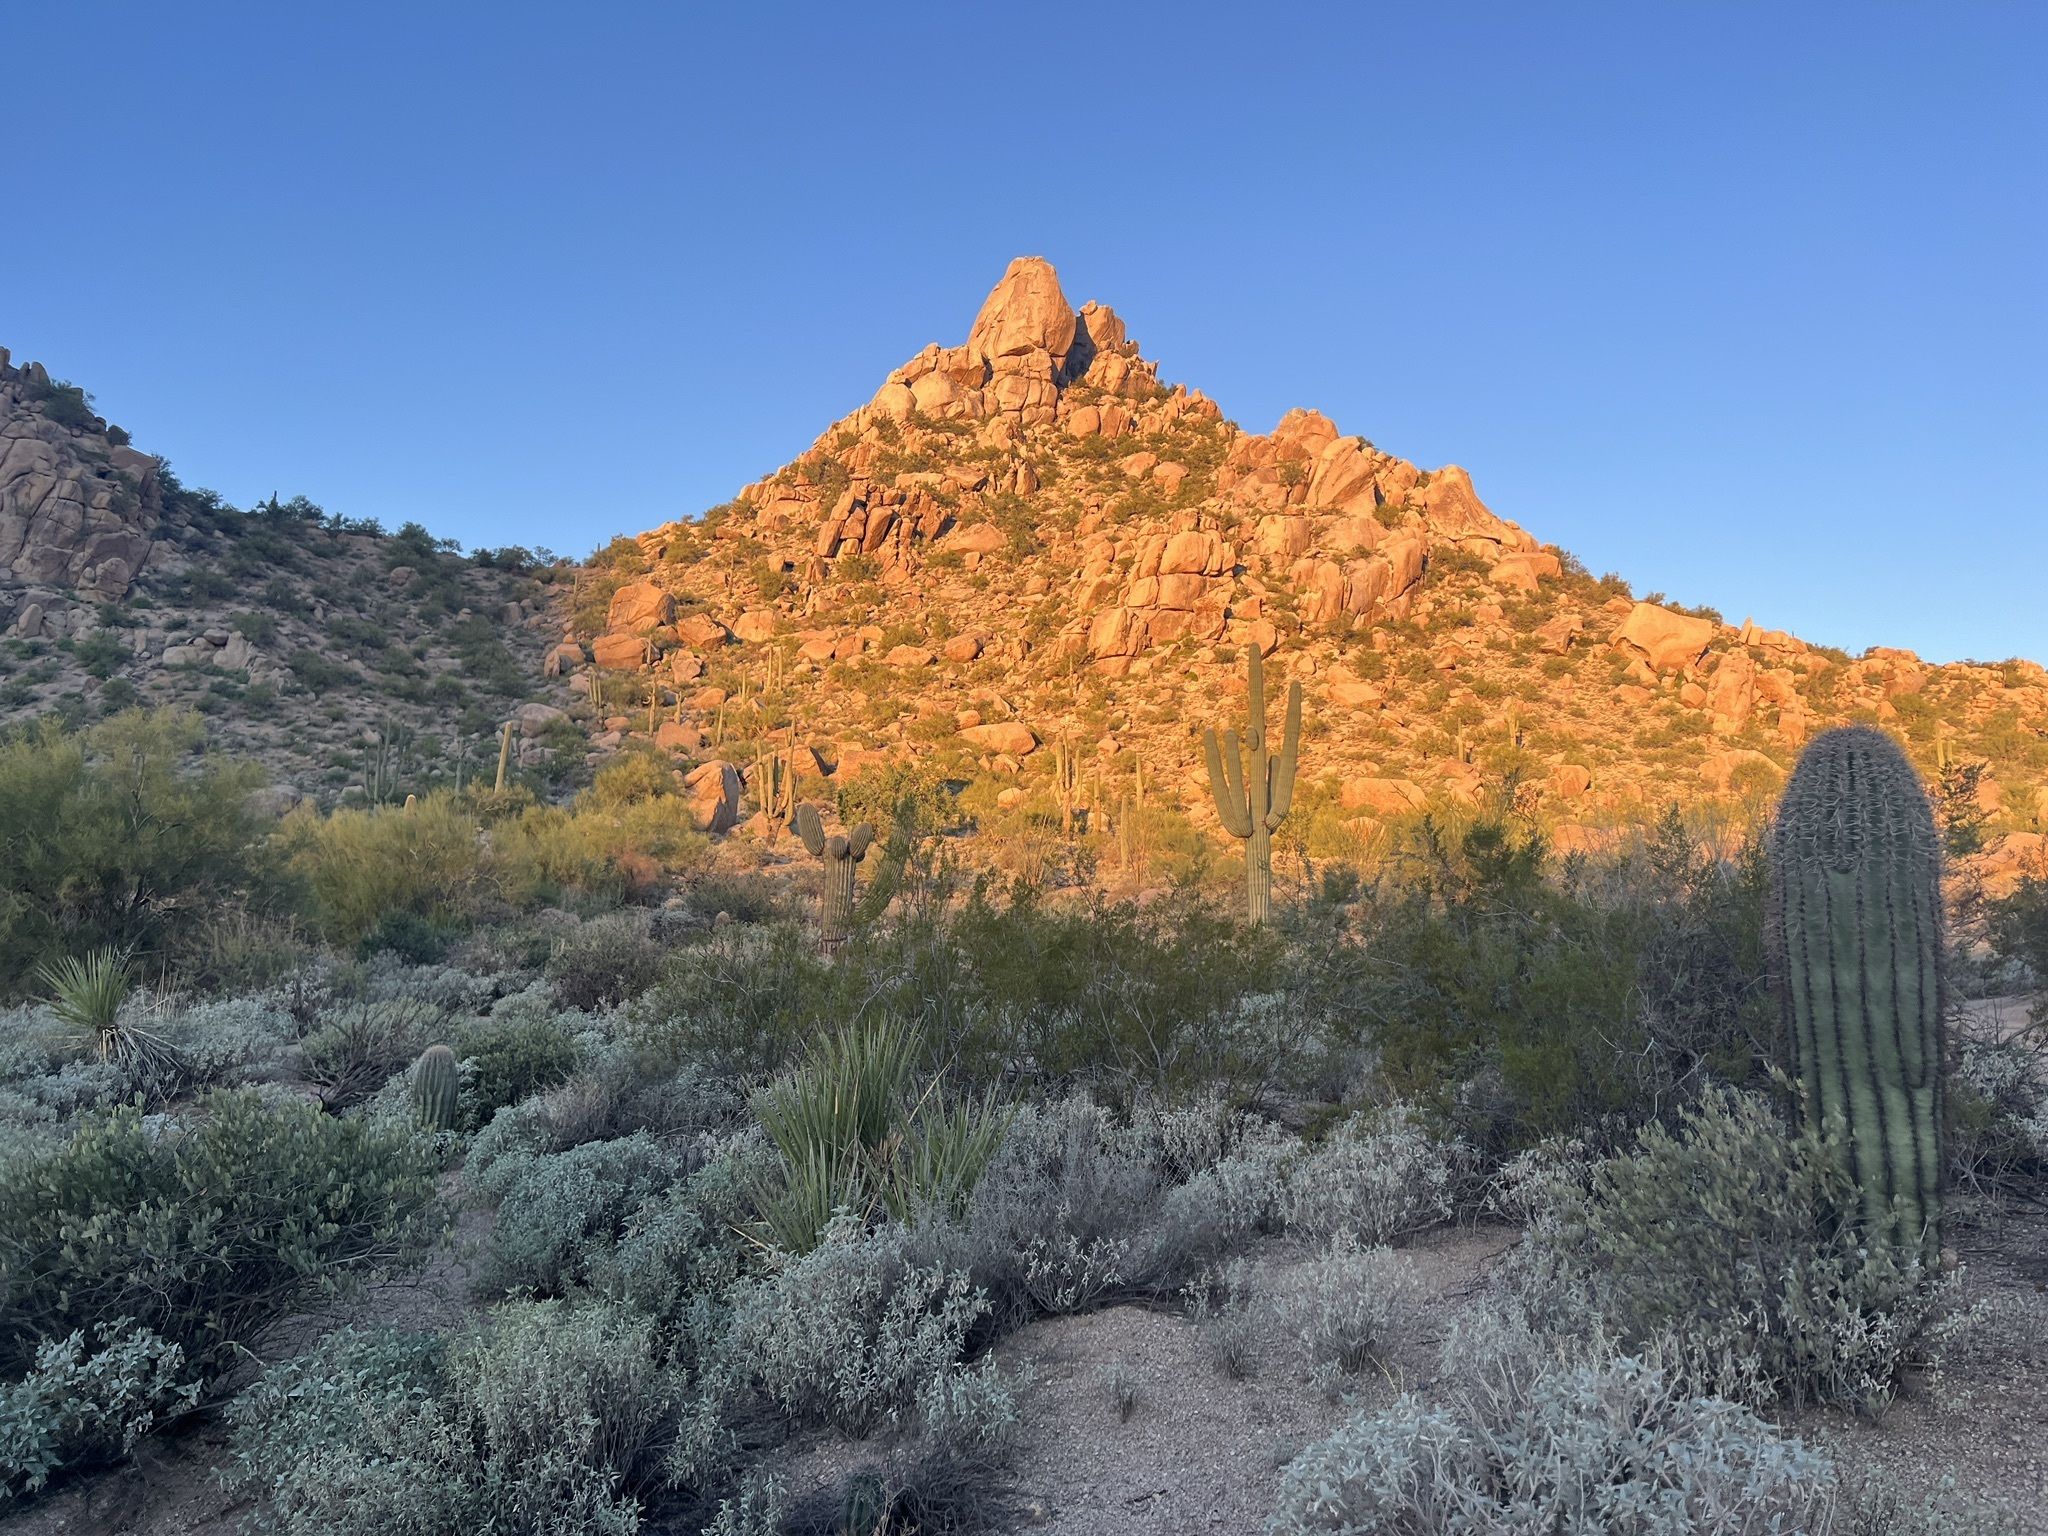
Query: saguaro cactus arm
(811, 830)
(1226, 783)
(1280, 773)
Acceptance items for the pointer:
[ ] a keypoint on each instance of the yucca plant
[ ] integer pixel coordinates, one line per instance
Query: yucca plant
(87, 993)
(942, 1157)
(853, 1137)
(848, 1098)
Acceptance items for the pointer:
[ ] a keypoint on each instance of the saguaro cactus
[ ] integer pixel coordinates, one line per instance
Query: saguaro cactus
(773, 781)
(436, 1087)
(1856, 930)
(839, 852)
(1253, 792)
(504, 754)
(1066, 783)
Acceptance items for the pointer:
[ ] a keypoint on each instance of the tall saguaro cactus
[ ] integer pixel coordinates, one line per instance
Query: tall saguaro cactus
(1856, 930)
(1254, 788)
(839, 853)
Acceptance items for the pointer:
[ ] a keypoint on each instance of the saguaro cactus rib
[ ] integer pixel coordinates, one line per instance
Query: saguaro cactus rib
(1856, 927)
(1253, 789)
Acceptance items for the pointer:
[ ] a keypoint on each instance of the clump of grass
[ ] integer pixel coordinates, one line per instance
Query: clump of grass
(1122, 1390)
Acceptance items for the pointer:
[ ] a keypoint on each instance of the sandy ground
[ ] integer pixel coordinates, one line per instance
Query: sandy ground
(1199, 1452)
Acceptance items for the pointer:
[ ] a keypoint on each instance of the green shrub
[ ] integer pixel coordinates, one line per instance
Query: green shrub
(361, 868)
(560, 1212)
(604, 962)
(118, 837)
(543, 1420)
(1530, 999)
(78, 1406)
(204, 1231)
(508, 1059)
(853, 1333)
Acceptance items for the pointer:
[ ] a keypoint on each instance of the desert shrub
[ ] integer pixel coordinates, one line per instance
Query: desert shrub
(603, 963)
(78, 1406)
(559, 1211)
(1616, 1448)
(234, 1041)
(1380, 1175)
(506, 1059)
(543, 1420)
(203, 1231)
(1345, 1306)
(1733, 1244)
(1531, 998)
(357, 1045)
(946, 1474)
(602, 851)
(747, 1001)
(853, 1333)
(360, 868)
(1102, 995)
(679, 1252)
(1998, 1118)
(1072, 1213)
(121, 837)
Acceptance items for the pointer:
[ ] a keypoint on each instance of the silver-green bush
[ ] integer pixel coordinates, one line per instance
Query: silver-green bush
(1616, 1449)
(1730, 1245)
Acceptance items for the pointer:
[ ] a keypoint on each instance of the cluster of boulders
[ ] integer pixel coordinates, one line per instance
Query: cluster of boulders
(79, 508)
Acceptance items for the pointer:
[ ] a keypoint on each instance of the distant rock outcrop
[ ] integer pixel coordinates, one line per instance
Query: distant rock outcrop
(78, 506)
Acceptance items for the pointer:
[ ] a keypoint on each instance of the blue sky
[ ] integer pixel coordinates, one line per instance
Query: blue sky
(1745, 302)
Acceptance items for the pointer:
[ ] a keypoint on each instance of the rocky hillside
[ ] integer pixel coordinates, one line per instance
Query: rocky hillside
(351, 661)
(1027, 541)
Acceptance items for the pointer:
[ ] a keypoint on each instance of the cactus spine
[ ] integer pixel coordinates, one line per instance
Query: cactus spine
(1856, 929)
(1252, 796)
(436, 1087)
(839, 852)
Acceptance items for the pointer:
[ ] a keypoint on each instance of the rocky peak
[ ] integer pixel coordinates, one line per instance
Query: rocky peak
(1025, 312)
(78, 506)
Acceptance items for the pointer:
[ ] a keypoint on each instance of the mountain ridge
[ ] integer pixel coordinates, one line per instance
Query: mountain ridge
(1134, 541)
(1023, 554)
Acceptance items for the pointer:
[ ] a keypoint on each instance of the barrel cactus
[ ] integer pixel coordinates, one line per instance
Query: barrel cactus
(1253, 794)
(839, 852)
(1856, 931)
(436, 1088)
